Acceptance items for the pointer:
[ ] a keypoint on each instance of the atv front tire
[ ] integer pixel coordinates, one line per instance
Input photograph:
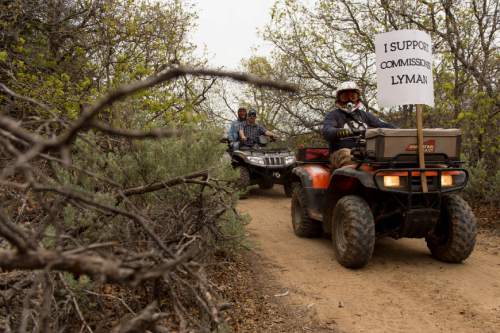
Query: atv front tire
(454, 236)
(244, 179)
(288, 187)
(353, 232)
(303, 225)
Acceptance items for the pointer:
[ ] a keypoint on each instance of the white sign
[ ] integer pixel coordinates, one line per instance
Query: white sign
(404, 68)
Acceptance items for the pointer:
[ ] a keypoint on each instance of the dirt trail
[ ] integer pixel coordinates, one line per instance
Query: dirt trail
(401, 290)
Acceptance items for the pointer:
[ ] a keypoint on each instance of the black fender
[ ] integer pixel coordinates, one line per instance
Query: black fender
(364, 178)
(345, 181)
(237, 157)
(299, 175)
(314, 179)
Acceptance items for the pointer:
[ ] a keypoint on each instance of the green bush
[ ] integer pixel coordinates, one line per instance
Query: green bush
(187, 218)
(139, 163)
(484, 184)
(142, 162)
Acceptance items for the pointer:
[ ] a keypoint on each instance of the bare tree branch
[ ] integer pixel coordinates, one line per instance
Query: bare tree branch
(146, 320)
(28, 99)
(155, 133)
(159, 185)
(94, 266)
(14, 234)
(75, 303)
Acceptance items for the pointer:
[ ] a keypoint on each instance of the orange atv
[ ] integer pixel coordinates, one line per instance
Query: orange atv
(381, 195)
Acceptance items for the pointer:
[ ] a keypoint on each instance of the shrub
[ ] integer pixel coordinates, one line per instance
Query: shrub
(193, 220)
(484, 184)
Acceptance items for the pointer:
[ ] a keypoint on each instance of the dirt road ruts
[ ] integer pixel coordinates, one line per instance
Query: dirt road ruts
(402, 289)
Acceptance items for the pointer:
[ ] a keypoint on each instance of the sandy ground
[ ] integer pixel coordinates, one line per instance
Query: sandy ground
(402, 289)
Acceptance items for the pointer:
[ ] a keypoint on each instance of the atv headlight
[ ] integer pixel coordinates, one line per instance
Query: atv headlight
(454, 178)
(391, 181)
(446, 180)
(289, 160)
(256, 160)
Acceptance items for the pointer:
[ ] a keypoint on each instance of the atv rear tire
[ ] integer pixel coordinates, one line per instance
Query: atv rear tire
(303, 225)
(454, 236)
(353, 232)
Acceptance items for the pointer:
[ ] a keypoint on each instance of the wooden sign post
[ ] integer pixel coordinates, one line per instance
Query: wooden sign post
(404, 77)
(421, 148)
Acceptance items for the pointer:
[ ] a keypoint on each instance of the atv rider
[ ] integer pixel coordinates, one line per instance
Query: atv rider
(233, 134)
(348, 119)
(250, 130)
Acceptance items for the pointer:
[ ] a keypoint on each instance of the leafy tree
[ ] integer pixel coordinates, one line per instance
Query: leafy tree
(272, 106)
(50, 50)
(319, 46)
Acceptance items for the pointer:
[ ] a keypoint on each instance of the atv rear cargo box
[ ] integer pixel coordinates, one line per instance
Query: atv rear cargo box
(387, 144)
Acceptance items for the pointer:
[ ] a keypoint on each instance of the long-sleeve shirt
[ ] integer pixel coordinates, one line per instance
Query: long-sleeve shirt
(252, 132)
(339, 119)
(233, 134)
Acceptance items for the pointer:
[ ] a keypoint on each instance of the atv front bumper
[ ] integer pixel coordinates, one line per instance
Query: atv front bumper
(276, 175)
(439, 180)
(420, 211)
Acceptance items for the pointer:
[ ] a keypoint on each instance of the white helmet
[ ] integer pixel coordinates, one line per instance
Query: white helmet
(348, 85)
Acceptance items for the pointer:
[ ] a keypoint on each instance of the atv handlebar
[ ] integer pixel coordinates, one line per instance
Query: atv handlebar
(348, 132)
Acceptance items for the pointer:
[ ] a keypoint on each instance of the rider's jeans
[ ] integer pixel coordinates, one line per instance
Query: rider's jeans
(235, 145)
(340, 158)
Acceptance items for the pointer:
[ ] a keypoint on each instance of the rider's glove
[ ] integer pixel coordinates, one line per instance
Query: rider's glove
(344, 133)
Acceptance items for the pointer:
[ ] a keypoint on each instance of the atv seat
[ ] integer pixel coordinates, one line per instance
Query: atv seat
(313, 155)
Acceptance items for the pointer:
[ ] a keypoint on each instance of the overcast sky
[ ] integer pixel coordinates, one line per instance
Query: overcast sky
(228, 29)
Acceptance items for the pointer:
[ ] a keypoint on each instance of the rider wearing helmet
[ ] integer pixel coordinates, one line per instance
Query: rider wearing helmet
(348, 119)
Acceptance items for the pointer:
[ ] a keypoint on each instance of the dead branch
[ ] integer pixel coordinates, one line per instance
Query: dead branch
(75, 303)
(14, 234)
(78, 264)
(146, 320)
(28, 99)
(46, 306)
(160, 185)
(85, 120)
(91, 247)
(93, 266)
(155, 133)
(125, 305)
(69, 193)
